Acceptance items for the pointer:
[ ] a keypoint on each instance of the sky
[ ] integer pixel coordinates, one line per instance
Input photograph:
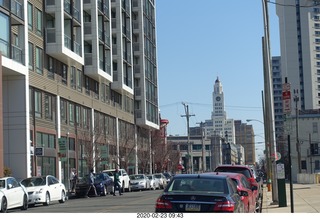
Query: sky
(200, 41)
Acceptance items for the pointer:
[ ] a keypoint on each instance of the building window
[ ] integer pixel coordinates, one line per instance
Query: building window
(71, 113)
(39, 62)
(303, 165)
(51, 67)
(63, 111)
(64, 74)
(39, 22)
(30, 16)
(317, 165)
(73, 77)
(47, 164)
(78, 115)
(79, 80)
(4, 35)
(31, 57)
(48, 106)
(38, 103)
(87, 85)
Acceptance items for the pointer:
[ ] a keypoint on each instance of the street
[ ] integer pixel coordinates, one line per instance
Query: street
(129, 202)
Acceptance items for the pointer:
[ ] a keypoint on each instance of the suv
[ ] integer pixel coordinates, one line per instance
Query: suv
(124, 178)
(248, 172)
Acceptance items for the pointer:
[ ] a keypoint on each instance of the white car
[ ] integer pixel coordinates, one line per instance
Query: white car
(12, 194)
(139, 182)
(124, 178)
(155, 184)
(162, 180)
(44, 189)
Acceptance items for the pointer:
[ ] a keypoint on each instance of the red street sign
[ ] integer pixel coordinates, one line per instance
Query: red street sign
(286, 95)
(286, 98)
(180, 167)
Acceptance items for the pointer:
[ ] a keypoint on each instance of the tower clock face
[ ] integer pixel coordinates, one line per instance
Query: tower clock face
(218, 98)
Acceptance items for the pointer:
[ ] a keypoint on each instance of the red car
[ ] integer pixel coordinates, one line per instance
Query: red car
(247, 171)
(243, 184)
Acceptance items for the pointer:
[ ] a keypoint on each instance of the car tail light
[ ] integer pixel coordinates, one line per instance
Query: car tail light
(163, 204)
(224, 206)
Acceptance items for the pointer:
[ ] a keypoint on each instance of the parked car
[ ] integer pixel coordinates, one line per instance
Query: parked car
(247, 171)
(102, 182)
(168, 176)
(44, 190)
(139, 182)
(162, 180)
(153, 182)
(200, 193)
(12, 194)
(248, 199)
(124, 178)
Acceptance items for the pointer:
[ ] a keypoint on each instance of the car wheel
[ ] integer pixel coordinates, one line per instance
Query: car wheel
(104, 192)
(4, 205)
(63, 197)
(47, 200)
(25, 203)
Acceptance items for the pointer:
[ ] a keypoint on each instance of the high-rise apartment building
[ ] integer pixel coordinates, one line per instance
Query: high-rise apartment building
(80, 85)
(299, 29)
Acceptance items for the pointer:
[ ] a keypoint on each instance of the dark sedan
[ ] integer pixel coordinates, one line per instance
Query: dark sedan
(200, 193)
(102, 182)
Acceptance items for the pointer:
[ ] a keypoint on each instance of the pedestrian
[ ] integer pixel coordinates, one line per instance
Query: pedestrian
(91, 183)
(73, 179)
(116, 182)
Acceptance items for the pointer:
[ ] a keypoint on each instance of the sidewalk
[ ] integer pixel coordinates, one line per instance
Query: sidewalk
(306, 199)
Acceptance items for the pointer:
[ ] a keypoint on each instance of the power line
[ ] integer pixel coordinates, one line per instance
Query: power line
(296, 5)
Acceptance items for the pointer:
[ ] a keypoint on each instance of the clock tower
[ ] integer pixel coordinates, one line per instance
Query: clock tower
(221, 125)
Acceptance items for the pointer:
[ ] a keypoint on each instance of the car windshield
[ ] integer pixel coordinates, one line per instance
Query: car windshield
(134, 177)
(110, 173)
(198, 185)
(157, 176)
(149, 177)
(35, 181)
(2, 184)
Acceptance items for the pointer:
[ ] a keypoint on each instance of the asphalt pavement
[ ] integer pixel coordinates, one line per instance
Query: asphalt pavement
(305, 199)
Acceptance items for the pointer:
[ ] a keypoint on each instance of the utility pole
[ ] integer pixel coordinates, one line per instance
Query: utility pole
(203, 166)
(269, 116)
(190, 157)
(296, 99)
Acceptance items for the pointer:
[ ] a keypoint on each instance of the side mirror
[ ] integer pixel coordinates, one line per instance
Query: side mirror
(10, 186)
(243, 193)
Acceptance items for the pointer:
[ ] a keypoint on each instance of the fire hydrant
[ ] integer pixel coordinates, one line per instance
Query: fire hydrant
(269, 185)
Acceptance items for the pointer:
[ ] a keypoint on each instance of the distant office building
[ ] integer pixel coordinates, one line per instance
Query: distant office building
(79, 85)
(246, 138)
